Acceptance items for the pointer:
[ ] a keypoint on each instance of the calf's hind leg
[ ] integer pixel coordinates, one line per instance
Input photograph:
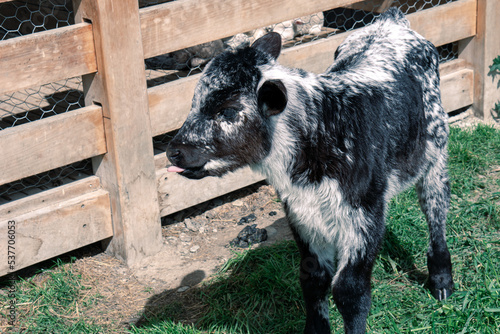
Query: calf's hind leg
(434, 195)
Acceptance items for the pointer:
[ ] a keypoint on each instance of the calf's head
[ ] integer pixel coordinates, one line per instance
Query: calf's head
(228, 125)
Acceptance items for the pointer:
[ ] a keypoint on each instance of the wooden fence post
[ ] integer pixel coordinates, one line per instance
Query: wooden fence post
(127, 170)
(479, 52)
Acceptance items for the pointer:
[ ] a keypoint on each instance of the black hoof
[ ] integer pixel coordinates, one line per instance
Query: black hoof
(442, 294)
(440, 278)
(441, 286)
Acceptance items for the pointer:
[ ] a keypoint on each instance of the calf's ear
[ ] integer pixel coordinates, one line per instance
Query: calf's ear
(270, 44)
(272, 97)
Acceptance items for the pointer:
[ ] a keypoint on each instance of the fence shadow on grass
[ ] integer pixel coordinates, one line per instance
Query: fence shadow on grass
(258, 292)
(175, 306)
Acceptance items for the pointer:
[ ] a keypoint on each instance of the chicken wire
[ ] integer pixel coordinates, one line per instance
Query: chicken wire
(44, 181)
(19, 18)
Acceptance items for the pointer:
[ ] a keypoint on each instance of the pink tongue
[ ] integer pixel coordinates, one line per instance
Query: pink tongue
(175, 169)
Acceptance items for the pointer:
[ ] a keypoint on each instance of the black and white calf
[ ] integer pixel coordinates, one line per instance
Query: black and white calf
(336, 147)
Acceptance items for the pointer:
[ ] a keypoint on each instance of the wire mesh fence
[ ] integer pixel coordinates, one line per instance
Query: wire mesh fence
(44, 181)
(40, 102)
(33, 104)
(19, 18)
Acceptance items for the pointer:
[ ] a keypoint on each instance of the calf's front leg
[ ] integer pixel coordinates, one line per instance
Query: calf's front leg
(315, 280)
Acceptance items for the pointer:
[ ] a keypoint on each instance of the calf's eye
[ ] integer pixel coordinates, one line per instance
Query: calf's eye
(228, 114)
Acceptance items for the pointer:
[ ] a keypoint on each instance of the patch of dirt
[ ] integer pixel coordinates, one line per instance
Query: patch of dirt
(196, 245)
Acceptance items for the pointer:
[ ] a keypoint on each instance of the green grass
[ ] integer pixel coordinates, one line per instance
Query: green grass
(258, 290)
(48, 303)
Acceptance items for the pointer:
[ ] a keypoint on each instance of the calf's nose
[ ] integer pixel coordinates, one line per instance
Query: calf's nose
(174, 154)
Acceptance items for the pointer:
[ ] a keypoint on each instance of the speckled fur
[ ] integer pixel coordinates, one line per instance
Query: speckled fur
(336, 147)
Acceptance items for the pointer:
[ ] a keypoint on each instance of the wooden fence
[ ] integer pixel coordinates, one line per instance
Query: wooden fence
(123, 202)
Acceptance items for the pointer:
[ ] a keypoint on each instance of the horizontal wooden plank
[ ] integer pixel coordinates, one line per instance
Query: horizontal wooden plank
(377, 6)
(42, 199)
(176, 25)
(176, 192)
(49, 143)
(179, 24)
(47, 56)
(169, 116)
(457, 89)
(441, 25)
(56, 229)
(169, 104)
(452, 66)
(315, 56)
(161, 161)
(446, 23)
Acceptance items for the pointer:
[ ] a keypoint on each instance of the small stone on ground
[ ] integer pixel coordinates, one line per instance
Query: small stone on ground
(249, 235)
(247, 219)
